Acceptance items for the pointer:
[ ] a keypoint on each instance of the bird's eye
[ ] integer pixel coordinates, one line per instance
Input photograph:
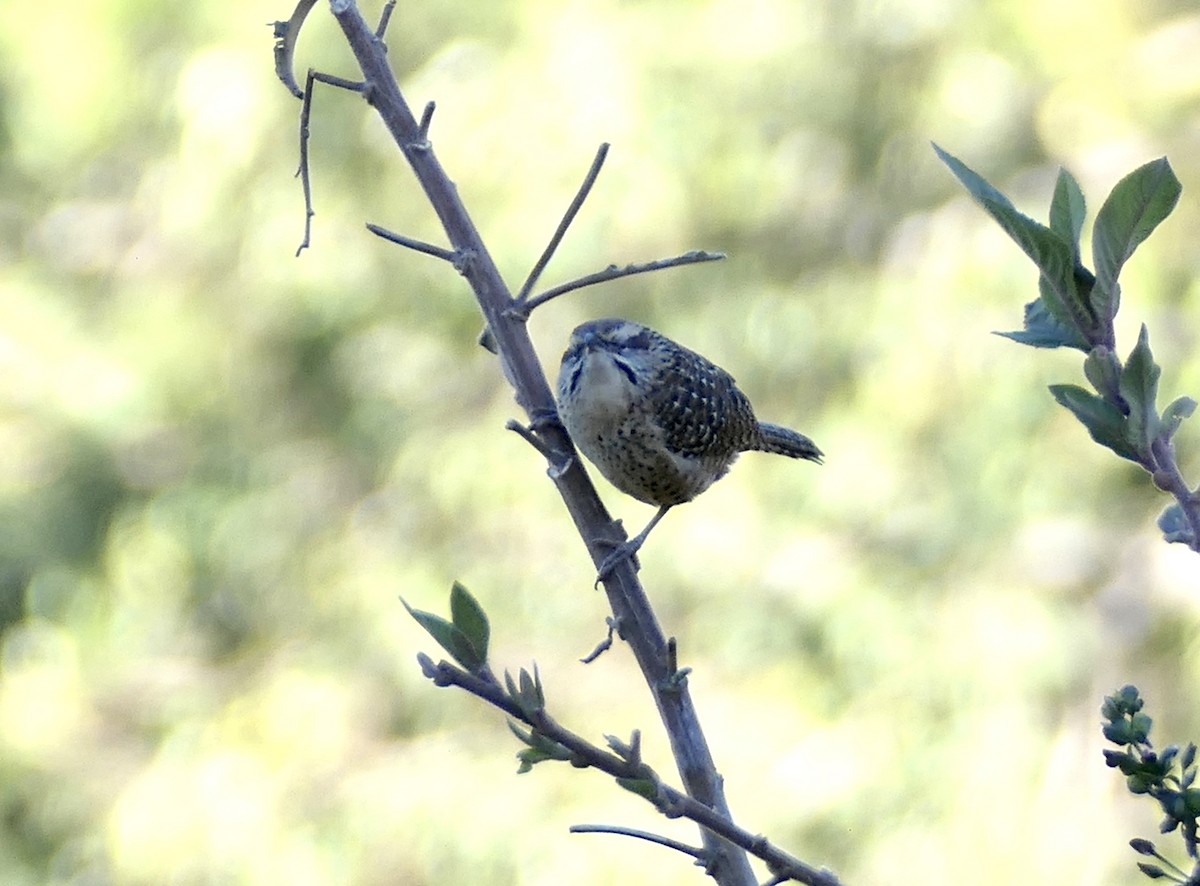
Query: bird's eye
(637, 342)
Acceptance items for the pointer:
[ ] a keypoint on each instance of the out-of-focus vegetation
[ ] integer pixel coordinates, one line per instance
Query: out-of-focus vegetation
(220, 466)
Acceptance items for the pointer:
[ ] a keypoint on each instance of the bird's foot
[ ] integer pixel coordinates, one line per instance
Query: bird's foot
(624, 551)
(543, 418)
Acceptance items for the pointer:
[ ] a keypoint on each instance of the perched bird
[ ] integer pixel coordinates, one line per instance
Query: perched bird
(661, 422)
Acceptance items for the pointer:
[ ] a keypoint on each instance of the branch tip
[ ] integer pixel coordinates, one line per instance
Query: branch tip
(385, 19)
(613, 272)
(448, 255)
(569, 216)
(426, 119)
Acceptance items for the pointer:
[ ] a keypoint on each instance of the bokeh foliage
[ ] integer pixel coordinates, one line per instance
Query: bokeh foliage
(220, 467)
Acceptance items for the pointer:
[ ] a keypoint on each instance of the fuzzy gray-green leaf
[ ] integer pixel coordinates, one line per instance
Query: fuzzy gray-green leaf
(1051, 251)
(448, 636)
(1136, 206)
(468, 616)
(1068, 209)
(1139, 388)
(1177, 410)
(1103, 421)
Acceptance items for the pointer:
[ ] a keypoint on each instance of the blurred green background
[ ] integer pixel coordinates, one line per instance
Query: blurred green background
(221, 465)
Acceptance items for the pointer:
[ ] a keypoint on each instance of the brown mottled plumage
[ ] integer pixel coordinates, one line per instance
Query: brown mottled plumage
(661, 422)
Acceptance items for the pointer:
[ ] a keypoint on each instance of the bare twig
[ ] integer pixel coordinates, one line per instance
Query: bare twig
(693, 851)
(569, 216)
(604, 645)
(668, 800)
(305, 113)
(612, 272)
(385, 18)
(426, 119)
(415, 245)
(286, 34)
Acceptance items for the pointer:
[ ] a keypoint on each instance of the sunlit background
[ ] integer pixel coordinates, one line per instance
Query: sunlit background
(221, 466)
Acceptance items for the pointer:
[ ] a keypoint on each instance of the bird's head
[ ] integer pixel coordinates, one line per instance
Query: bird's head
(620, 345)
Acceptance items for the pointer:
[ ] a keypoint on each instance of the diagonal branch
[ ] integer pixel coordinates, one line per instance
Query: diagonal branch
(670, 801)
(631, 608)
(568, 217)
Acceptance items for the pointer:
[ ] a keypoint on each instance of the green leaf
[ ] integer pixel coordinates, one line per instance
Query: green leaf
(643, 787)
(1050, 251)
(526, 691)
(1103, 370)
(468, 616)
(529, 758)
(1043, 330)
(523, 735)
(1139, 388)
(1103, 421)
(448, 636)
(1177, 410)
(1068, 210)
(1136, 206)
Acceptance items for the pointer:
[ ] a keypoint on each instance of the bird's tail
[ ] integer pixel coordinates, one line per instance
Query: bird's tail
(785, 441)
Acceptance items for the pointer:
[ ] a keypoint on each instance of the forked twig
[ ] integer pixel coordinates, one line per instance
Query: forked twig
(569, 216)
(612, 272)
(305, 112)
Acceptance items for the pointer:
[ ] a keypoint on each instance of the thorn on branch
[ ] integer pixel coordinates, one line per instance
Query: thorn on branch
(441, 252)
(384, 19)
(604, 645)
(421, 142)
(559, 460)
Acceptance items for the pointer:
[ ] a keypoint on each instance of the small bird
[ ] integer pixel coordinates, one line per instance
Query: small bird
(661, 422)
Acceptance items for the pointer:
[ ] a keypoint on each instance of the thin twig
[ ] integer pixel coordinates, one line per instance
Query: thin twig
(557, 458)
(385, 18)
(693, 851)
(604, 645)
(416, 245)
(569, 216)
(286, 35)
(668, 800)
(426, 119)
(612, 272)
(305, 112)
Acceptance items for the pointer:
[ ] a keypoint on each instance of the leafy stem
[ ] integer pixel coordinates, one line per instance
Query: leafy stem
(1076, 306)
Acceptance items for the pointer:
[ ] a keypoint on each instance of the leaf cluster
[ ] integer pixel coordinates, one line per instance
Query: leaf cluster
(1076, 306)
(1167, 777)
